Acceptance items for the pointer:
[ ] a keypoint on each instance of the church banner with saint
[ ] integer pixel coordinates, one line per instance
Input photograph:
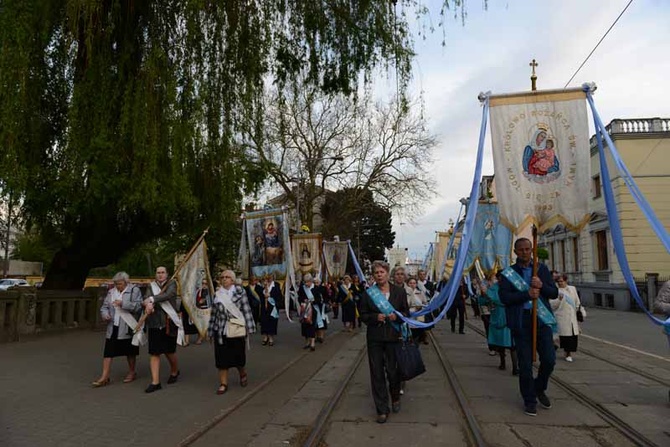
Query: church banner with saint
(196, 296)
(268, 243)
(335, 255)
(491, 243)
(541, 156)
(306, 250)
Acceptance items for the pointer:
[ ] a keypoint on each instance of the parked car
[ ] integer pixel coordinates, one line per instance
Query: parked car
(12, 282)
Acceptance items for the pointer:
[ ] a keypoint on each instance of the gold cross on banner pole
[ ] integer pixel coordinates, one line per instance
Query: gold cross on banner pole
(533, 76)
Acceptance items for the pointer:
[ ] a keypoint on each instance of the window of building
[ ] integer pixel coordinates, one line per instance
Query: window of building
(609, 300)
(575, 254)
(598, 298)
(601, 250)
(597, 189)
(561, 244)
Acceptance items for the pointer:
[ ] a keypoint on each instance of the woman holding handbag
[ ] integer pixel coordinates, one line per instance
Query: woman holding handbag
(383, 338)
(230, 324)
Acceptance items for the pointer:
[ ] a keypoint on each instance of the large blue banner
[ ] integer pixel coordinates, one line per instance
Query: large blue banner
(491, 242)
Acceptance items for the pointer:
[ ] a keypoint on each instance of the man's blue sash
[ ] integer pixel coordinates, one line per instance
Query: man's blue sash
(308, 292)
(517, 281)
(387, 308)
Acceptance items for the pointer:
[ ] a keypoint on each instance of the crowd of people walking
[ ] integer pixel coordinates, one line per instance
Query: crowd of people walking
(503, 301)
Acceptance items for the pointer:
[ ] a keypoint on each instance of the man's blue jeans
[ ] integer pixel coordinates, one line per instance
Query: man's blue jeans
(523, 340)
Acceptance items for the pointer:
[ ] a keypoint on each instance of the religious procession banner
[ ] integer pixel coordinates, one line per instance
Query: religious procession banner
(195, 298)
(443, 238)
(542, 159)
(306, 250)
(335, 257)
(268, 243)
(491, 242)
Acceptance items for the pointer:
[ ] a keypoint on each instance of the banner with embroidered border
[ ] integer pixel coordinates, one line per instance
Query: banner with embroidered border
(335, 256)
(306, 249)
(542, 158)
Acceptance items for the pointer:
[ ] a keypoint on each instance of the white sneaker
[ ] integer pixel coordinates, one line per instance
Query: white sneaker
(402, 391)
(568, 359)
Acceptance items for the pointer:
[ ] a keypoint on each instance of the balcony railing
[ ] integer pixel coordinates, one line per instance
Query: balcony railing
(636, 126)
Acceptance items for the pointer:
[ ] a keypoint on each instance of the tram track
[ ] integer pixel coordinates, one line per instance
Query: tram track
(475, 438)
(619, 424)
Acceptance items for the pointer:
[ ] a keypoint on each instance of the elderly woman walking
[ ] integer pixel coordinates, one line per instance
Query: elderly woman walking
(119, 309)
(565, 310)
(230, 324)
(383, 336)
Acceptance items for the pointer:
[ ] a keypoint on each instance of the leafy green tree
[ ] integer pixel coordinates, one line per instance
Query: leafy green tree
(353, 215)
(119, 119)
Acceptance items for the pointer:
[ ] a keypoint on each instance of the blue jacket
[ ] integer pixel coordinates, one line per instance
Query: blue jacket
(514, 299)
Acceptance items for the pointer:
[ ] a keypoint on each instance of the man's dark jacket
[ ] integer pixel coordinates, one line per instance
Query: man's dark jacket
(514, 300)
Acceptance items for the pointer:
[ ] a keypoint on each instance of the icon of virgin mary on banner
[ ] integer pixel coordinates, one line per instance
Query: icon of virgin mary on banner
(306, 249)
(491, 242)
(541, 156)
(266, 238)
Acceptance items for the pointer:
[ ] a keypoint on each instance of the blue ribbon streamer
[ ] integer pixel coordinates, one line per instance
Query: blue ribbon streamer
(613, 214)
(357, 266)
(448, 293)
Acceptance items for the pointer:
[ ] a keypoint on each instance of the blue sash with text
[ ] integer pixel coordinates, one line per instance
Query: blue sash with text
(543, 313)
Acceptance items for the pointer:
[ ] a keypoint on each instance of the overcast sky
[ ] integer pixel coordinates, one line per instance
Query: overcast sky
(492, 50)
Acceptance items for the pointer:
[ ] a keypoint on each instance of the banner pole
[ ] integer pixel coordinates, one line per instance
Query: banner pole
(144, 315)
(534, 315)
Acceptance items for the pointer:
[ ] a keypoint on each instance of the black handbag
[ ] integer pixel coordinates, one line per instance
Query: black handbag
(580, 315)
(408, 357)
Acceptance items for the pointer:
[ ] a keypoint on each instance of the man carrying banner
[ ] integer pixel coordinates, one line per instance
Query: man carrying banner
(163, 324)
(518, 289)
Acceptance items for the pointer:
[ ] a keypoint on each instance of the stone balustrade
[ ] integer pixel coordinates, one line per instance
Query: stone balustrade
(635, 126)
(29, 311)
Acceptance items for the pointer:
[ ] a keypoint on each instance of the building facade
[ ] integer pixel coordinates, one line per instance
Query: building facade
(588, 257)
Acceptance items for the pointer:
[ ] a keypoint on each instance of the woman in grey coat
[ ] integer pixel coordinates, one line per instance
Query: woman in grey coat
(121, 300)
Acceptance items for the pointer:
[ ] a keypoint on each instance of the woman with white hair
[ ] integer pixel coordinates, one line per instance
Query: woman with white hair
(230, 323)
(310, 315)
(119, 309)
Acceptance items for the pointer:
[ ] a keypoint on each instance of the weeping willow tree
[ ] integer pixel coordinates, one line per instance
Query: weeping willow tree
(119, 119)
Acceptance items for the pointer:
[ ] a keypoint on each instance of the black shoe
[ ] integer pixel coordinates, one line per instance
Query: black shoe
(151, 388)
(381, 418)
(530, 410)
(453, 330)
(319, 340)
(502, 367)
(515, 371)
(543, 399)
(395, 407)
(306, 347)
(312, 348)
(172, 379)
(461, 332)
